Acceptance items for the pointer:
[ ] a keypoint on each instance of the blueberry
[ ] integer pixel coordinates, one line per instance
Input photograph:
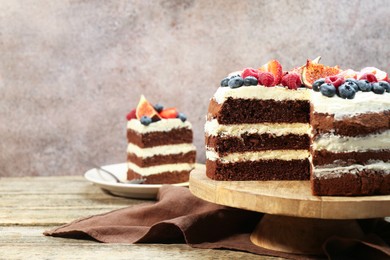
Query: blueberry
(236, 82)
(224, 82)
(378, 88)
(351, 80)
(182, 117)
(328, 90)
(385, 85)
(250, 81)
(145, 120)
(364, 85)
(317, 84)
(158, 107)
(353, 83)
(347, 91)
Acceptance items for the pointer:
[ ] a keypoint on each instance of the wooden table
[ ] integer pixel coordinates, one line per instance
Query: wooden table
(31, 205)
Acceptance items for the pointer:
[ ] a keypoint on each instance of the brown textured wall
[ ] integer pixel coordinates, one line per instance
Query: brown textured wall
(71, 70)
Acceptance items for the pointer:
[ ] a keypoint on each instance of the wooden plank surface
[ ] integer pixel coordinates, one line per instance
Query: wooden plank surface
(288, 198)
(31, 205)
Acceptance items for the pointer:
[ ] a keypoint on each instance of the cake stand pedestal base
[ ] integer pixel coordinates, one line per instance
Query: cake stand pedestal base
(301, 235)
(295, 221)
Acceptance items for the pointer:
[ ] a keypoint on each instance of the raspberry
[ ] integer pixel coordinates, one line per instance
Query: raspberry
(369, 77)
(335, 80)
(275, 68)
(250, 72)
(266, 78)
(291, 80)
(131, 115)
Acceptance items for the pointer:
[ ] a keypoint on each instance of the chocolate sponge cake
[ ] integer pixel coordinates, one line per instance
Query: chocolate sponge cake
(315, 122)
(258, 132)
(351, 144)
(160, 148)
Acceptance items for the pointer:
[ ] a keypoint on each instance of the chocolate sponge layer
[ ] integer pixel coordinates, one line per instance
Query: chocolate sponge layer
(161, 178)
(324, 157)
(262, 170)
(159, 159)
(174, 136)
(367, 182)
(257, 142)
(250, 111)
(359, 125)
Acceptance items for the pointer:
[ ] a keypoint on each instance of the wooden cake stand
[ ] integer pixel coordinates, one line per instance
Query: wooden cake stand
(295, 220)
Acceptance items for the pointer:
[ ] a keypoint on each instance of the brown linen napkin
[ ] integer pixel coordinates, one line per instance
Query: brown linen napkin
(180, 217)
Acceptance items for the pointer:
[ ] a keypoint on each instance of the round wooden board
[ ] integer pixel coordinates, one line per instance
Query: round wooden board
(288, 198)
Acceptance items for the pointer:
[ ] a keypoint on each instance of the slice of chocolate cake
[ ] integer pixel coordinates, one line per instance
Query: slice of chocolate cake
(258, 128)
(160, 148)
(260, 131)
(351, 144)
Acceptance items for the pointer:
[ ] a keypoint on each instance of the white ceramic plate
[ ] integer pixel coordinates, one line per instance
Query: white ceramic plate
(107, 183)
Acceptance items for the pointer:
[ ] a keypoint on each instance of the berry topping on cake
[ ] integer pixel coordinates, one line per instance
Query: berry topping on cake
(317, 84)
(379, 74)
(335, 80)
(158, 107)
(182, 117)
(144, 108)
(348, 74)
(385, 85)
(328, 90)
(378, 88)
(370, 77)
(347, 91)
(251, 81)
(250, 72)
(313, 71)
(131, 115)
(353, 83)
(145, 120)
(169, 113)
(225, 82)
(266, 79)
(236, 82)
(291, 80)
(364, 85)
(275, 68)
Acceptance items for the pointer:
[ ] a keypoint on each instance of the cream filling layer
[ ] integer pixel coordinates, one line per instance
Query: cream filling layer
(160, 150)
(286, 155)
(146, 171)
(332, 171)
(213, 128)
(363, 102)
(164, 125)
(277, 93)
(336, 143)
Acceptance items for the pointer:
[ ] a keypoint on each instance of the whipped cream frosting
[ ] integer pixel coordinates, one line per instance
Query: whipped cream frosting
(336, 143)
(146, 171)
(277, 93)
(286, 155)
(213, 128)
(363, 102)
(163, 125)
(160, 150)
